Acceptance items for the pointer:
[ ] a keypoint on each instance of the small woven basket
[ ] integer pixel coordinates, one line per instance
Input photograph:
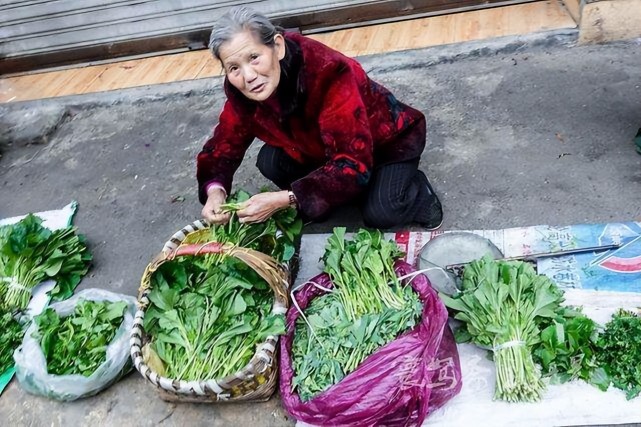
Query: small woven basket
(255, 382)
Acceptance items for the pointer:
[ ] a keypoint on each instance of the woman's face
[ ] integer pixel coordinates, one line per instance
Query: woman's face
(252, 67)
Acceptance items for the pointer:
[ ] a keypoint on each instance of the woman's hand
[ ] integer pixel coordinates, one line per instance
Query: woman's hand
(262, 206)
(211, 211)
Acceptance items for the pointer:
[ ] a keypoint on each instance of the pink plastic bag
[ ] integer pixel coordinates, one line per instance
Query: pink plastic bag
(399, 384)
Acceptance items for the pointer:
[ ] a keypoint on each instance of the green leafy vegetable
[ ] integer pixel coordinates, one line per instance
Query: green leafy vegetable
(502, 304)
(367, 309)
(363, 272)
(338, 345)
(567, 350)
(208, 313)
(507, 302)
(31, 254)
(11, 334)
(620, 352)
(205, 321)
(275, 237)
(77, 344)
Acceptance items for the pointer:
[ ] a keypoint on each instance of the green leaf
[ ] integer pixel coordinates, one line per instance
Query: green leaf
(54, 268)
(164, 299)
(31, 253)
(239, 306)
(288, 252)
(453, 303)
(11, 334)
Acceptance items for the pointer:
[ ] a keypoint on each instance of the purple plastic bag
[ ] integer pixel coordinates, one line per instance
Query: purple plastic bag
(399, 384)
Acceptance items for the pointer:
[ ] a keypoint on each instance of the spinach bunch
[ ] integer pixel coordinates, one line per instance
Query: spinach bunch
(619, 352)
(31, 254)
(367, 309)
(502, 305)
(205, 321)
(11, 334)
(77, 344)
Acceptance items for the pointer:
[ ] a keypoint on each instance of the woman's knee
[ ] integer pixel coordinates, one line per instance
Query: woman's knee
(267, 161)
(376, 221)
(392, 195)
(277, 166)
(383, 212)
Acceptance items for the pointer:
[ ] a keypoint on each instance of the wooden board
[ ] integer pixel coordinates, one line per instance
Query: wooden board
(574, 7)
(36, 33)
(453, 28)
(413, 34)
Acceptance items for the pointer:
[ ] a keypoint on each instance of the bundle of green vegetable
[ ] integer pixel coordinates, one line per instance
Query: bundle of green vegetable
(31, 254)
(77, 344)
(205, 321)
(619, 352)
(11, 334)
(367, 309)
(502, 305)
(208, 313)
(275, 237)
(362, 271)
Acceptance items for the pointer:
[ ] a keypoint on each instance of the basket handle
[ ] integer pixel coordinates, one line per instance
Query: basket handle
(266, 266)
(274, 273)
(200, 249)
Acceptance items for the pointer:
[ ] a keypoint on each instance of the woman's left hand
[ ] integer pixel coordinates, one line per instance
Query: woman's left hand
(262, 206)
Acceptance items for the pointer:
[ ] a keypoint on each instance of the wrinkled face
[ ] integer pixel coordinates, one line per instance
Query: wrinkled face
(252, 67)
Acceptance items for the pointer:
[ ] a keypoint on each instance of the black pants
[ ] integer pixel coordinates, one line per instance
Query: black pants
(398, 193)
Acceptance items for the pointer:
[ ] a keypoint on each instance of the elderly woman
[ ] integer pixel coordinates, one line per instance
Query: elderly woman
(332, 135)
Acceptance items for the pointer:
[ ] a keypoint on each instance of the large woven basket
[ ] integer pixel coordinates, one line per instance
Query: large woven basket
(256, 381)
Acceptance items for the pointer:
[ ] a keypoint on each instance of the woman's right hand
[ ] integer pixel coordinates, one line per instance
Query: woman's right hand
(211, 211)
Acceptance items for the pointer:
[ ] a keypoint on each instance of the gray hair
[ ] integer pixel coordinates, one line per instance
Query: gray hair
(237, 20)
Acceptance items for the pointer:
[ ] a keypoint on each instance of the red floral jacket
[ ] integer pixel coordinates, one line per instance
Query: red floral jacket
(346, 125)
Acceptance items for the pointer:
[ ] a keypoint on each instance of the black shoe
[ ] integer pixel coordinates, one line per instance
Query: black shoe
(430, 214)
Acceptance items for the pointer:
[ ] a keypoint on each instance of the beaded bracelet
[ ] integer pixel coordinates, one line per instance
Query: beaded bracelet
(292, 199)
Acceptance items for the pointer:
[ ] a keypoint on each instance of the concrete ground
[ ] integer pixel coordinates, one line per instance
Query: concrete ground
(521, 131)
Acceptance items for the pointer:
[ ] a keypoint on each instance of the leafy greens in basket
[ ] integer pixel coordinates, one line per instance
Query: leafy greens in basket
(205, 323)
(275, 237)
(209, 313)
